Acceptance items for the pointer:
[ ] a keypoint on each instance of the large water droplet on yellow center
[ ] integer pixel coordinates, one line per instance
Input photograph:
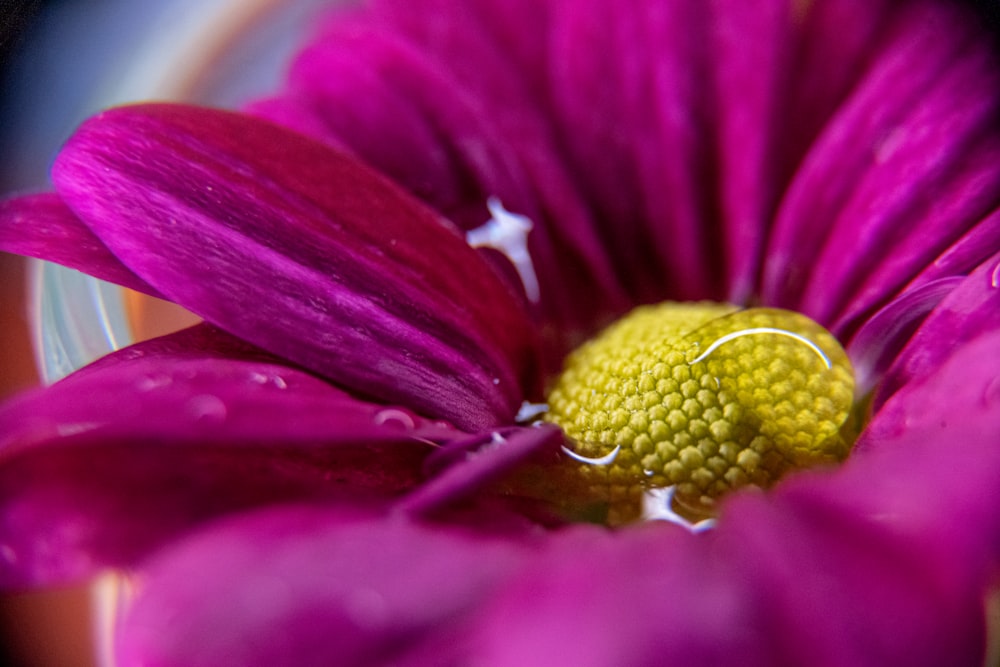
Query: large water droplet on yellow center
(702, 397)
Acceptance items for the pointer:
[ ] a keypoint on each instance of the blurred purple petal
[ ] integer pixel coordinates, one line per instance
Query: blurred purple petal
(308, 586)
(648, 595)
(110, 462)
(42, 226)
(305, 252)
(836, 587)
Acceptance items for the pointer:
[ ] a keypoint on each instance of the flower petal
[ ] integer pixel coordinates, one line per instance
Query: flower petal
(922, 56)
(634, 128)
(304, 251)
(482, 460)
(42, 226)
(643, 596)
(837, 587)
(885, 333)
(110, 462)
(748, 80)
(971, 309)
(308, 586)
(447, 114)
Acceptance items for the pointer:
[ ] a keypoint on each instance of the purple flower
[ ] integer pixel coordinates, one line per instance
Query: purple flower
(310, 477)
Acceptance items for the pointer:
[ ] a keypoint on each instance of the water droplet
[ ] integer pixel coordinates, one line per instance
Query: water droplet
(496, 380)
(258, 378)
(657, 505)
(764, 330)
(153, 381)
(508, 233)
(529, 411)
(207, 409)
(75, 428)
(607, 459)
(394, 416)
(265, 379)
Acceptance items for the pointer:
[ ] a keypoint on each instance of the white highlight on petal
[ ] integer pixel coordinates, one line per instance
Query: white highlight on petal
(764, 330)
(607, 459)
(508, 233)
(656, 507)
(529, 411)
(393, 415)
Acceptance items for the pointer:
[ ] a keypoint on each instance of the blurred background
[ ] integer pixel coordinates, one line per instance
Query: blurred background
(60, 62)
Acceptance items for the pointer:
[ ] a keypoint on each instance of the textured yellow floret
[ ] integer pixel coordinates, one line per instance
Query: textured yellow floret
(703, 397)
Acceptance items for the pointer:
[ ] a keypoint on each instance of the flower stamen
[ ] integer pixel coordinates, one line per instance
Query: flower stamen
(701, 399)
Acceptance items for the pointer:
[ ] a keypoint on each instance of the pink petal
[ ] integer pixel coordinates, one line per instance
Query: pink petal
(970, 310)
(481, 460)
(42, 226)
(644, 596)
(308, 586)
(407, 102)
(305, 252)
(113, 461)
(885, 333)
(922, 54)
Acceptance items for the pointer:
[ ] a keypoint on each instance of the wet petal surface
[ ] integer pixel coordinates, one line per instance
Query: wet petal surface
(110, 462)
(305, 252)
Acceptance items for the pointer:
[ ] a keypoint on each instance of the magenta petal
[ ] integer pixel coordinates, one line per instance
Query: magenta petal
(749, 84)
(632, 126)
(42, 226)
(970, 310)
(406, 101)
(642, 597)
(933, 178)
(305, 252)
(308, 587)
(837, 589)
(921, 54)
(482, 459)
(884, 334)
(110, 462)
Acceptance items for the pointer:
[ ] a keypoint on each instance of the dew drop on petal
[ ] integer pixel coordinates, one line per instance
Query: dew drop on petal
(259, 378)
(529, 411)
(152, 382)
(207, 409)
(395, 417)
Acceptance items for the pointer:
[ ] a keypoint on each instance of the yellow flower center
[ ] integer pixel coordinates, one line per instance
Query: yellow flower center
(701, 397)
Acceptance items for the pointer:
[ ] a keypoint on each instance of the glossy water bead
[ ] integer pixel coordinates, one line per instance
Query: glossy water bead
(704, 398)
